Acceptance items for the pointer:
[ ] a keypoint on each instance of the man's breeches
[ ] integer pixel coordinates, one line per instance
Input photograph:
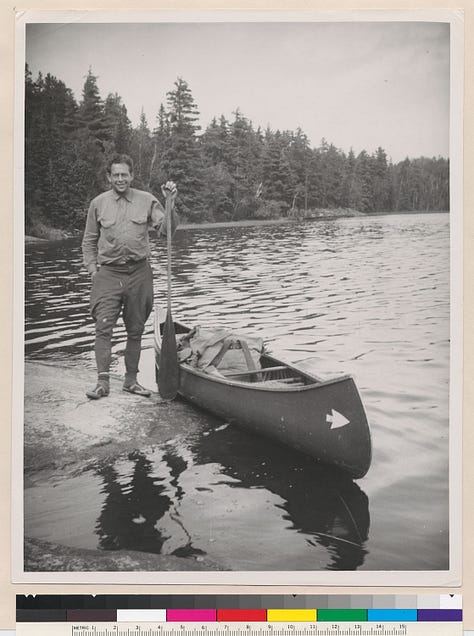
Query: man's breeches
(127, 289)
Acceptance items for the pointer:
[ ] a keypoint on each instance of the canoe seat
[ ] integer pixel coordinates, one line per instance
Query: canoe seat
(253, 372)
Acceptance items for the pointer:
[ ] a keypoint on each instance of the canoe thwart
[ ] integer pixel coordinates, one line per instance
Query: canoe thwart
(261, 370)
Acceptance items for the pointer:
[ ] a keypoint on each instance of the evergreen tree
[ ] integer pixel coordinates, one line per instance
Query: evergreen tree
(242, 158)
(160, 144)
(230, 172)
(218, 182)
(217, 199)
(277, 177)
(382, 182)
(348, 190)
(299, 155)
(363, 184)
(50, 122)
(91, 113)
(141, 150)
(181, 161)
(316, 186)
(214, 143)
(117, 125)
(93, 137)
(402, 186)
(334, 162)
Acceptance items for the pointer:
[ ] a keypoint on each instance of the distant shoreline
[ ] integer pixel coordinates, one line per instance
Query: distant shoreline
(327, 216)
(188, 226)
(243, 223)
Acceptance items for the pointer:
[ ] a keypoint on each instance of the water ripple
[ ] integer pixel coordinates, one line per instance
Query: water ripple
(366, 296)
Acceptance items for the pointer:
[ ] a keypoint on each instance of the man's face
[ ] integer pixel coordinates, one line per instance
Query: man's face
(120, 177)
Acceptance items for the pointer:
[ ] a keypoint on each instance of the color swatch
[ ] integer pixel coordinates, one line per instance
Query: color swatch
(245, 608)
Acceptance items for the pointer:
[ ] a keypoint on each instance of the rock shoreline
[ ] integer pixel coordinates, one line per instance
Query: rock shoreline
(44, 556)
(64, 433)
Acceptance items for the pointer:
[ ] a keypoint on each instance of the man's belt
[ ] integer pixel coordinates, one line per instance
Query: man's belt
(127, 263)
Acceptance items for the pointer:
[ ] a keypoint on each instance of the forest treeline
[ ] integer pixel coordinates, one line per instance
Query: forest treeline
(229, 171)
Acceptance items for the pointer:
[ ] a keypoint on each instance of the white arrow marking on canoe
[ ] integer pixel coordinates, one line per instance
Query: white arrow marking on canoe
(336, 419)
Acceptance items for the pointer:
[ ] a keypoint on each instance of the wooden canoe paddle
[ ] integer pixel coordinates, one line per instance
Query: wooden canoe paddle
(168, 371)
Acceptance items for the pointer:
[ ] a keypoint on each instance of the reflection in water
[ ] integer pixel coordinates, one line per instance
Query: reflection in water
(319, 501)
(131, 511)
(323, 504)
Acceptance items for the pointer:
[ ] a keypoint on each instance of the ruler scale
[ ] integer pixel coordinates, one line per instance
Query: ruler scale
(242, 629)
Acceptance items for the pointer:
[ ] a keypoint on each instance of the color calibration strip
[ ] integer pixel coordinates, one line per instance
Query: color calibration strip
(255, 609)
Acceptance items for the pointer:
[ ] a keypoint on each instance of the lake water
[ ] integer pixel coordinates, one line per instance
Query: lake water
(366, 296)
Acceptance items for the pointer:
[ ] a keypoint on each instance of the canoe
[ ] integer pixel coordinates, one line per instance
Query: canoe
(324, 419)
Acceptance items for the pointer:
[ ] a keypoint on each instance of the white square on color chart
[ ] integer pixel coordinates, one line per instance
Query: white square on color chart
(143, 615)
(450, 601)
(445, 569)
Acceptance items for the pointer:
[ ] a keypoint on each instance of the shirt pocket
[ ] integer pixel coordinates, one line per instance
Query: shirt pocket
(107, 217)
(139, 217)
(138, 226)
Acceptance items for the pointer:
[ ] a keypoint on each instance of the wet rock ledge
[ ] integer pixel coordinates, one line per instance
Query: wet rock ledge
(64, 432)
(43, 556)
(63, 428)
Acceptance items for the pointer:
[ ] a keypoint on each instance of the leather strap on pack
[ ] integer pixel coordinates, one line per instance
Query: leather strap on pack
(248, 358)
(229, 342)
(218, 358)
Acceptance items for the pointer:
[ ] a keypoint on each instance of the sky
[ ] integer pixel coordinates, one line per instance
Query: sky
(359, 85)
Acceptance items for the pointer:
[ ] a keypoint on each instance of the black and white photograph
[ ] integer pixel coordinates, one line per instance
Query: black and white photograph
(238, 307)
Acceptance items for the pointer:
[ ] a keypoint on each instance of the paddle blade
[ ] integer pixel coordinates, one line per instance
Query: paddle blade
(168, 371)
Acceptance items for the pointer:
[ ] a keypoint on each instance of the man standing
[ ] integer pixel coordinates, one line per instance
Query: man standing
(116, 250)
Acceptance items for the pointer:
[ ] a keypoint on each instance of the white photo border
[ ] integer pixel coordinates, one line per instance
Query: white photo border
(430, 578)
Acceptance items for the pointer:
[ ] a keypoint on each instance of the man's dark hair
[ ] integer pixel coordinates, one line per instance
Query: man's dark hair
(120, 159)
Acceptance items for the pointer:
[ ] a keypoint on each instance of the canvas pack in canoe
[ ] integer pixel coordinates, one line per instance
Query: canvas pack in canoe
(321, 418)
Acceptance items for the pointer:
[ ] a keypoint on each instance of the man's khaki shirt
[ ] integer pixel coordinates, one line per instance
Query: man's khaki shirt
(117, 227)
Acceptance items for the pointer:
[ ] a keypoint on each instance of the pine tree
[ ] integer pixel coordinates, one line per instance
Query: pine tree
(316, 185)
(214, 142)
(218, 183)
(348, 185)
(141, 150)
(363, 193)
(117, 125)
(160, 144)
(382, 182)
(243, 159)
(91, 113)
(402, 185)
(299, 156)
(230, 172)
(51, 195)
(182, 162)
(93, 136)
(278, 180)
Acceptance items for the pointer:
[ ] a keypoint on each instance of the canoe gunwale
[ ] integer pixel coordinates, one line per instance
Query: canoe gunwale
(260, 386)
(313, 380)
